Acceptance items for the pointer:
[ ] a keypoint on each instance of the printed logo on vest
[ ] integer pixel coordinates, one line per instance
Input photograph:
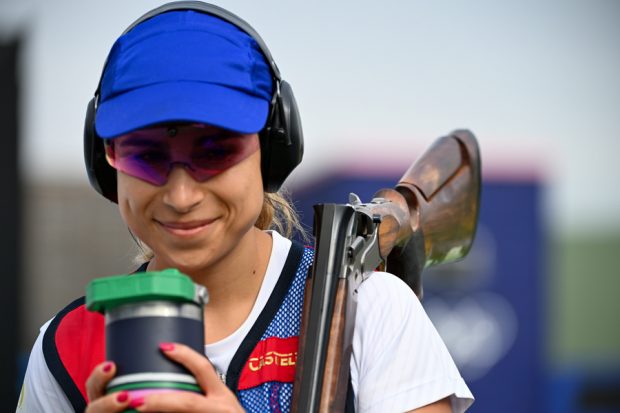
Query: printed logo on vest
(273, 359)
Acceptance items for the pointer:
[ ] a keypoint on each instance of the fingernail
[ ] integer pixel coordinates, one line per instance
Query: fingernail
(166, 346)
(108, 367)
(122, 397)
(138, 401)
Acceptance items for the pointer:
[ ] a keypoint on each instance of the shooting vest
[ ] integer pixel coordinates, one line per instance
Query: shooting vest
(261, 372)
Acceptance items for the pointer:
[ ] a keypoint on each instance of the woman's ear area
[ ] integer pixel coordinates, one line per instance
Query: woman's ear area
(108, 147)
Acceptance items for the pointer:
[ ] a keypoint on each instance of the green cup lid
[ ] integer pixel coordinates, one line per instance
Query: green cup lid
(105, 293)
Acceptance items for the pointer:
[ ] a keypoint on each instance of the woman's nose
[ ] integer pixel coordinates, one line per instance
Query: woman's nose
(182, 191)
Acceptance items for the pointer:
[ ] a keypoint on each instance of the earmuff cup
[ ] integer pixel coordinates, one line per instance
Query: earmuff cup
(281, 138)
(101, 175)
(282, 145)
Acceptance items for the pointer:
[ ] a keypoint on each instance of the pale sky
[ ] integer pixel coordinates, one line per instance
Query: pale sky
(377, 82)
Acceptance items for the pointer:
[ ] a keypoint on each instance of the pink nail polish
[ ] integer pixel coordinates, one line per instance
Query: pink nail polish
(138, 401)
(107, 367)
(122, 397)
(166, 346)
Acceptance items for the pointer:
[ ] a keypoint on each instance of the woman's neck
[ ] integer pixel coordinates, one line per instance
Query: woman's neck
(233, 283)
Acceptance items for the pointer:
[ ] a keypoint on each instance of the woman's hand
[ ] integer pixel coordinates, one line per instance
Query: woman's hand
(95, 389)
(217, 398)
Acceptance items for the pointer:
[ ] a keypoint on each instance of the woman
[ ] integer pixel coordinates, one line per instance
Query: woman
(198, 132)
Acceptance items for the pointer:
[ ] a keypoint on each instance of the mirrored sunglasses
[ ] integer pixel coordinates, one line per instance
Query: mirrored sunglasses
(204, 151)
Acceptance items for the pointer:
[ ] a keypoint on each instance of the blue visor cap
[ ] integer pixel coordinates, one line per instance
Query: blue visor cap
(184, 66)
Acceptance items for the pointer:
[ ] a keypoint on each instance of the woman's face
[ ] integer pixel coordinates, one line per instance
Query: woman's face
(189, 224)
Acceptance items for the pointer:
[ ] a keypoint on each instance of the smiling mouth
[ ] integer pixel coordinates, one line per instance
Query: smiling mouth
(185, 228)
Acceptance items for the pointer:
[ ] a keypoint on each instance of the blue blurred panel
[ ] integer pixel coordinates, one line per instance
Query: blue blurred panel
(487, 307)
(510, 214)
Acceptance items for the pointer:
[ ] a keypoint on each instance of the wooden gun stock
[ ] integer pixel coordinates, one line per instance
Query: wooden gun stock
(429, 218)
(438, 202)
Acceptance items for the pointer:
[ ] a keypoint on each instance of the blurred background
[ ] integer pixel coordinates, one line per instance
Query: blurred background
(531, 316)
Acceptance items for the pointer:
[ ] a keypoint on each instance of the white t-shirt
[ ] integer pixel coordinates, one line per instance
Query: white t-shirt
(399, 362)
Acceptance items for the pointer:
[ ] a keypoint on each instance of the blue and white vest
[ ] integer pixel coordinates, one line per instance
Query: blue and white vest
(261, 372)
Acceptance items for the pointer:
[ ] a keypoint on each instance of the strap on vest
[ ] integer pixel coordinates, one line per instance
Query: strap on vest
(266, 316)
(54, 361)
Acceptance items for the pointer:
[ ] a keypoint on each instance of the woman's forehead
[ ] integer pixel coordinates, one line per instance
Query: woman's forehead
(177, 132)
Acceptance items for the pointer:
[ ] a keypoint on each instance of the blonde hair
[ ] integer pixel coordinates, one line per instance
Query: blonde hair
(277, 213)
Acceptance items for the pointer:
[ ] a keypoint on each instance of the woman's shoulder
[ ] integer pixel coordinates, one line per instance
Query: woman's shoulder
(399, 358)
(74, 324)
(386, 292)
(386, 309)
(68, 347)
(72, 344)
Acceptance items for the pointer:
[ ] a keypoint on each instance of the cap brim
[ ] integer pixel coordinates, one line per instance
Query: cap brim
(181, 102)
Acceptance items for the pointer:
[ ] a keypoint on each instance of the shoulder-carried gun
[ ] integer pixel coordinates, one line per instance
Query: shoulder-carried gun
(429, 218)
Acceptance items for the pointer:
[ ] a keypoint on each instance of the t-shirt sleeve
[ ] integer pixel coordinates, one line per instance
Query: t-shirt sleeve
(40, 392)
(399, 361)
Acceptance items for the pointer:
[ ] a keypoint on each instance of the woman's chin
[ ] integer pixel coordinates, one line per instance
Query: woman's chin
(189, 264)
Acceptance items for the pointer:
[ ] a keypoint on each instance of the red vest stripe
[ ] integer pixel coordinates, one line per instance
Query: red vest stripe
(273, 359)
(80, 341)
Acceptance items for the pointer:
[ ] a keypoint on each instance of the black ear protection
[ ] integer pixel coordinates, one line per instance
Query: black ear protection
(281, 139)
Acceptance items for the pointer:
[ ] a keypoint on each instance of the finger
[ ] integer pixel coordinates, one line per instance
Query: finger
(112, 403)
(174, 401)
(187, 402)
(99, 378)
(196, 363)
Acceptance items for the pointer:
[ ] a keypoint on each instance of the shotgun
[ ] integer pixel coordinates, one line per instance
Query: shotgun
(429, 218)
